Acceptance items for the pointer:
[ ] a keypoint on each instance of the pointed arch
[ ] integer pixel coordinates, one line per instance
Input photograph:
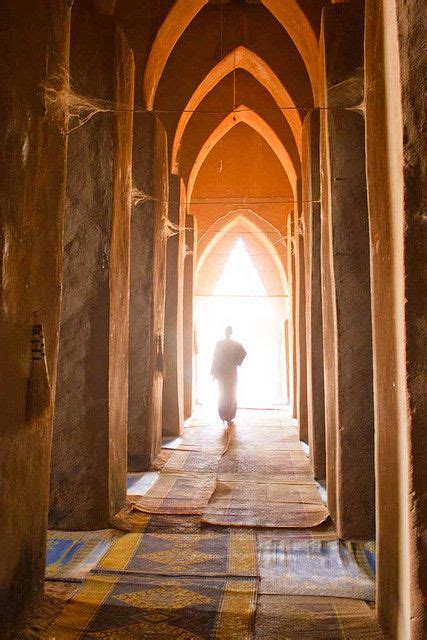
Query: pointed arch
(264, 231)
(253, 120)
(289, 14)
(239, 58)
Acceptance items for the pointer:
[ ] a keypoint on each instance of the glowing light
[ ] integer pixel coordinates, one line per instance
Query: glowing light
(239, 299)
(239, 276)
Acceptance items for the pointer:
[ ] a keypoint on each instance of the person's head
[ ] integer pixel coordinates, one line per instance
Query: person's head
(228, 332)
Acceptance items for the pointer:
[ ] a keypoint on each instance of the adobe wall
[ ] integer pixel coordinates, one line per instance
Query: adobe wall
(34, 47)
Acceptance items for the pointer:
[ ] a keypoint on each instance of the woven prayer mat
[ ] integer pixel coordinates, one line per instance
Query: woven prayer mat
(206, 553)
(269, 438)
(134, 607)
(55, 597)
(266, 416)
(314, 568)
(240, 501)
(291, 463)
(194, 461)
(204, 439)
(70, 555)
(323, 532)
(178, 493)
(311, 618)
(128, 520)
(139, 483)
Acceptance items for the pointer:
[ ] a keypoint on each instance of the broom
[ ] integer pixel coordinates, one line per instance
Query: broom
(160, 361)
(39, 397)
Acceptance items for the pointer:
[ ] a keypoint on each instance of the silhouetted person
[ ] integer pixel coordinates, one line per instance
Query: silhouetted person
(227, 357)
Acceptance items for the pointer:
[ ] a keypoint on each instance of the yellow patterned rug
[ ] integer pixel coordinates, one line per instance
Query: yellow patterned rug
(136, 607)
(207, 553)
(268, 502)
(178, 493)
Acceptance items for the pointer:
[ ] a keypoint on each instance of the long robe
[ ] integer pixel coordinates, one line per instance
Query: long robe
(227, 357)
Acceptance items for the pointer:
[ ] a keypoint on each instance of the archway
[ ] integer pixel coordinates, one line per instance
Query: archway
(241, 281)
(253, 120)
(289, 14)
(240, 58)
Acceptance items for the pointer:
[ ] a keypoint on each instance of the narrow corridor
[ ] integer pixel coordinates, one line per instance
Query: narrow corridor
(227, 537)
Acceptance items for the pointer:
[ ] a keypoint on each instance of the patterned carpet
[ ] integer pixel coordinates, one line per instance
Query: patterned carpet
(165, 572)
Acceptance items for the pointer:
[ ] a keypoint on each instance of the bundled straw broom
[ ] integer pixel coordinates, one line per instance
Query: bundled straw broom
(39, 397)
(160, 361)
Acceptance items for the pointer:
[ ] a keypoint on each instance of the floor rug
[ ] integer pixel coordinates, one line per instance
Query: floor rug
(139, 483)
(310, 618)
(135, 607)
(323, 532)
(314, 568)
(290, 463)
(205, 439)
(178, 493)
(268, 438)
(206, 553)
(278, 503)
(129, 520)
(70, 555)
(54, 599)
(194, 461)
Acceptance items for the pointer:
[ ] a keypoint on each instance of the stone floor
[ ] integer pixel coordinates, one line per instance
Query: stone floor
(278, 616)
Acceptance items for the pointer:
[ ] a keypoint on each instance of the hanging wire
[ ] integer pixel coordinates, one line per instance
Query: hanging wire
(244, 204)
(64, 101)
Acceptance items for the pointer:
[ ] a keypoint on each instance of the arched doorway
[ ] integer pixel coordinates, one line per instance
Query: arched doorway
(241, 281)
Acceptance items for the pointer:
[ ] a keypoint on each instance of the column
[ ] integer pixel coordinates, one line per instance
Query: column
(346, 280)
(188, 317)
(34, 51)
(314, 323)
(173, 389)
(89, 457)
(292, 307)
(300, 326)
(395, 116)
(147, 290)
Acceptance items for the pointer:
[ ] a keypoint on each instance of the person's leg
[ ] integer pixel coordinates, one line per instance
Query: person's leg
(232, 398)
(222, 399)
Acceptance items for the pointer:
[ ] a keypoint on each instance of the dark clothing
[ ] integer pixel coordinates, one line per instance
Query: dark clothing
(227, 357)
